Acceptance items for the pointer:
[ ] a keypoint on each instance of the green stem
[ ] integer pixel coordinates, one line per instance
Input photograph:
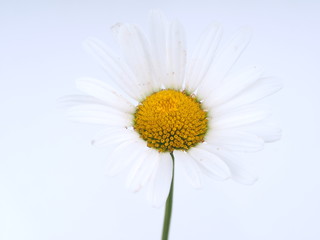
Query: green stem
(168, 210)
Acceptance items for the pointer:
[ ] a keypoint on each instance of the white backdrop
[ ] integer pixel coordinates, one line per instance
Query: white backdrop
(52, 182)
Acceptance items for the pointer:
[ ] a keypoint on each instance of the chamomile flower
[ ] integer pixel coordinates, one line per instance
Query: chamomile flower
(159, 100)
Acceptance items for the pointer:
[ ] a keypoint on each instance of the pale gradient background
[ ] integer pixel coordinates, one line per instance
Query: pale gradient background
(52, 183)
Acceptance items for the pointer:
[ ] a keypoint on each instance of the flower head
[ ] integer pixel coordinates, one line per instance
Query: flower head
(158, 99)
(171, 120)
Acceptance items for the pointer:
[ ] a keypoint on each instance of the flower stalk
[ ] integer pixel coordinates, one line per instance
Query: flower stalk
(168, 209)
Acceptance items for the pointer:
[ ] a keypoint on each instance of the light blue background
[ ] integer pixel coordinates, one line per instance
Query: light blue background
(52, 183)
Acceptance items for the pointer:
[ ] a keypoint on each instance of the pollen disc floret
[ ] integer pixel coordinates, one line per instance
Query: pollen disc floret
(171, 120)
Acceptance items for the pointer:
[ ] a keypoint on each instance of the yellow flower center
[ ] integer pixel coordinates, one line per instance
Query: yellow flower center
(171, 120)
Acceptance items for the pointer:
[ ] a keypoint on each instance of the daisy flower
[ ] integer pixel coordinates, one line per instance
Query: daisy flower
(160, 104)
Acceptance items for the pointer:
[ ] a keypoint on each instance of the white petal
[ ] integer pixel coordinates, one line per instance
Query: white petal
(114, 135)
(224, 61)
(75, 100)
(104, 92)
(210, 163)
(177, 54)
(234, 85)
(203, 56)
(161, 181)
(135, 49)
(267, 132)
(257, 91)
(118, 72)
(240, 117)
(235, 140)
(237, 168)
(190, 166)
(158, 28)
(142, 170)
(99, 114)
(123, 155)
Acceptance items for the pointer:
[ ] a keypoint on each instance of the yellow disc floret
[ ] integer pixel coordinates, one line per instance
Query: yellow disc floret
(171, 120)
